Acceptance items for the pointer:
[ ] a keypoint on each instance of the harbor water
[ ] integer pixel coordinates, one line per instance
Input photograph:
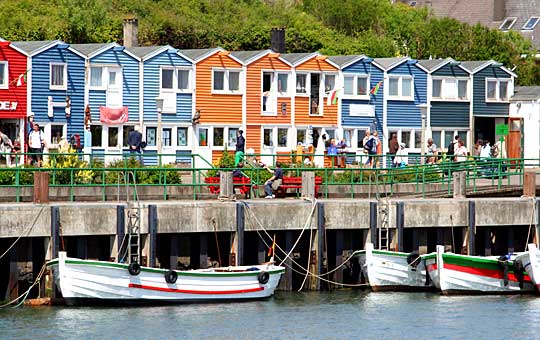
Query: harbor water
(327, 315)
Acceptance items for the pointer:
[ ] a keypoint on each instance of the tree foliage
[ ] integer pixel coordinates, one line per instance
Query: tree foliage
(372, 27)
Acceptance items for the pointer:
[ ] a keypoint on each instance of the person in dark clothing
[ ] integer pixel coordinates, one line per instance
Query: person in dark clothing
(273, 182)
(135, 142)
(240, 146)
(393, 147)
(238, 171)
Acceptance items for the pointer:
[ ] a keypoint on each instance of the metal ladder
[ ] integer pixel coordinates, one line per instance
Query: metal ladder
(134, 223)
(384, 226)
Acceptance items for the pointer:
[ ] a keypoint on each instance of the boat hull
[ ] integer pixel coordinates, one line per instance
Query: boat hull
(91, 282)
(462, 274)
(391, 271)
(531, 262)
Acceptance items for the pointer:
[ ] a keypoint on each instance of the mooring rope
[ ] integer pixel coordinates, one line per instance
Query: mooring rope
(24, 233)
(305, 271)
(533, 210)
(25, 294)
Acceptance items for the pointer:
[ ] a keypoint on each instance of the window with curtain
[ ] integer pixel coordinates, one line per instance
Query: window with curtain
(393, 87)
(282, 137)
(151, 136)
(234, 80)
(183, 79)
(348, 85)
(283, 83)
(167, 77)
(437, 88)
(182, 136)
(57, 75)
(329, 82)
(231, 141)
(96, 76)
(219, 80)
(301, 81)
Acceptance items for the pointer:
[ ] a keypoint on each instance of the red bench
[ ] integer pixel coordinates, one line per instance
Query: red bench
(243, 184)
(295, 182)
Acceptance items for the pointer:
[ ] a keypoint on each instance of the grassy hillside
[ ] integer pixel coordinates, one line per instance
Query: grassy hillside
(372, 27)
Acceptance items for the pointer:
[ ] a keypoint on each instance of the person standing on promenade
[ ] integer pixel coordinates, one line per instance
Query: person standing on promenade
(36, 143)
(135, 142)
(393, 147)
(240, 147)
(461, 151)
(378, 147)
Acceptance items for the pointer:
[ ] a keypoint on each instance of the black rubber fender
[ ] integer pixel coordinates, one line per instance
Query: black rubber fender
(263, 277)
(134, 268)
(171, 276)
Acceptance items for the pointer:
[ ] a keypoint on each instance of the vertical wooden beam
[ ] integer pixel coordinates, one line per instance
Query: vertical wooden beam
(340, 241)
(55, 231)
(120, 232)
(510, 239)
(12, 291)
(82, 247)
(422, 241)
(487, 242)
(472, 228)
(320, 241)
(152, 234)
(415, 240)
(173, 256)
(400, 223)
(373, 206)
(203, 251)
(286, 280)
(240, 228)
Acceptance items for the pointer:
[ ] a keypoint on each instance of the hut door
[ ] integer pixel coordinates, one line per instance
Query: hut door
(514, 138)
(314, 96)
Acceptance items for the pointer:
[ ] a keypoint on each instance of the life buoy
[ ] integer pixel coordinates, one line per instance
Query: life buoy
(134, 268)
(171, 276)
(263, 277)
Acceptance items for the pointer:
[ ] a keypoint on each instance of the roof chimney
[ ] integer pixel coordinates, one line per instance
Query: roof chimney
(131, 31)
(277, 40)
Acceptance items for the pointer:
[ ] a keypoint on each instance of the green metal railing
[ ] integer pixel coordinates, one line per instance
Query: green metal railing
(352, 181)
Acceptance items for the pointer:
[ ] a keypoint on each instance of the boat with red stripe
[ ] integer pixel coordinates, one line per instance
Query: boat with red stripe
(86, 281)
(464, 274)
(531, 262)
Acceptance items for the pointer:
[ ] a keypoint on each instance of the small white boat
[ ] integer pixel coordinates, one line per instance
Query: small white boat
(464, 274)
(531, 261)
(390, 270)
(101, 282)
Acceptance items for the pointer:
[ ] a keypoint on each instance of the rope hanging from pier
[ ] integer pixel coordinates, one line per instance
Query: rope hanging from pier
(24, 233)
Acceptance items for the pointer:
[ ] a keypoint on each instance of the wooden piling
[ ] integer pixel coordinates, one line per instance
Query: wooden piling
(400, 223)
(340, 246)
(240, 228)
(121, 244)
(471, 228)
(373, 206)
(173, 255)
(487, 242)
(152, 234)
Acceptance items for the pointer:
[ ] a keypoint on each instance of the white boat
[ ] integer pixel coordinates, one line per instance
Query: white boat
(464, 274)
(390, 270)
(101, 282)
(531, 262)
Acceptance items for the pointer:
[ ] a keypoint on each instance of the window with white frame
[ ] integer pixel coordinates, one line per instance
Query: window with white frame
(182, 136)
(226, 81)
(508, 23)
(126, 130)
(151, 136)
(113, 137)
(96, 77)
(183, 79)
(268, 137)
(301, 135)
(278, 136)
(442, 137)
(410, 137)
(283, 84)
(4, 74)
(450, 88)
(219, 136)
(355, 85)
(329, 82)
(497, 90)
(58, 76)
(400, 87)
(55, 135)
(282, 134)
(203, 136)
(301, 83)
(232, 136)
(531, 23)
(167, 137)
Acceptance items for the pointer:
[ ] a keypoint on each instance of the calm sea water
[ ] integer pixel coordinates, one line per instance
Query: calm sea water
(333, 315)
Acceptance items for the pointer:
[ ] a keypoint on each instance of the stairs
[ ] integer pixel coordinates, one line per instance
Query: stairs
(384, 224)
(134, 222)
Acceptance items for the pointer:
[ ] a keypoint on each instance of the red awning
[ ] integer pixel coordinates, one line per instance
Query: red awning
(113, 116)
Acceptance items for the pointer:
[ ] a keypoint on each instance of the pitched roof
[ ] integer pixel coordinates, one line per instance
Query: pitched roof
(433, 64)
(387, 63)
(195, 54)
(89, 49)
(526, 93)
(293, 58)
(471, 66)
(245, 56)
(341, 60)
(141, 52)
(29, 47)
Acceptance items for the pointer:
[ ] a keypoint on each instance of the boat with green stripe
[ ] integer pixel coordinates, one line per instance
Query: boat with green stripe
(87, 281)
(395, 271)
(465, 274)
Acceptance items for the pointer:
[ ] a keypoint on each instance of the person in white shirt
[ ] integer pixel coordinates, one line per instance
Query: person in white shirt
(36, 142)
(485, 152)
(402, 157)
(461, 151)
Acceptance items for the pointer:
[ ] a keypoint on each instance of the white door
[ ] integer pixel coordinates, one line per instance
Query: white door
(203, 160)
(268, 149)
(114, 88)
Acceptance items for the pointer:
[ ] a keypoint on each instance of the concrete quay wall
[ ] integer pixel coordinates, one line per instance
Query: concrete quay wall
(82, 219)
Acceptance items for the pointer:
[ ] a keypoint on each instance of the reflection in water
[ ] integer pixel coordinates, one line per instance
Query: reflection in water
(329, 315)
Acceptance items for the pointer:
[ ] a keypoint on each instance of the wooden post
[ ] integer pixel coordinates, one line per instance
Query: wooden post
(422, 241)
(472, 228)
(510, 238)
(41, 187)
(240, 228)
(487, 242)
(321, 251)
(373, 206)
(261, 251)
(173, 256)
(12, 291)
(203, 251)
(340, 240)
(55, 243)
(152, 234)
(82, 247)
(226, 188)
(400, 224)
(121, 244)
(308, 184)
(529, 183)
(286, 280)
